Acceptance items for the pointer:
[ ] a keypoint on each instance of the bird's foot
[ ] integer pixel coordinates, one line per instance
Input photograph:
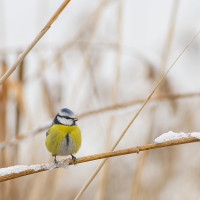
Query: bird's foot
(74, 159)
(55, 161)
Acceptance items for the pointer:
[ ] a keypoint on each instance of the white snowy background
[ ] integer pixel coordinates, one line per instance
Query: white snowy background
(87, 36)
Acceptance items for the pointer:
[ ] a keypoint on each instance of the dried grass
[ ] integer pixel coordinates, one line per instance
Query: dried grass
(111, 111)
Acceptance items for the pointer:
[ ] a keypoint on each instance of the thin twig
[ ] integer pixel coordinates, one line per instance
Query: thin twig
(138, 101)
(44, 127)
(21, 137)
(101, 156)
(167, 47)
(34, 42)
(169, 37)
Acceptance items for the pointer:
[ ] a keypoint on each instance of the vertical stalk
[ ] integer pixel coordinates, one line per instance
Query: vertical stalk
(115, 91)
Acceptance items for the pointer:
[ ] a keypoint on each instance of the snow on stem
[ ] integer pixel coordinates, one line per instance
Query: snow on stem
(173, 136)
(23, 170)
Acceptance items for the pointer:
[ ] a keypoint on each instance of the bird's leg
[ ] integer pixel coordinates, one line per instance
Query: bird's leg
(74, 158)
(55, 161)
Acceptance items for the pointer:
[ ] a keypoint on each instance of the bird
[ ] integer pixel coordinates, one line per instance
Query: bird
(63, 137)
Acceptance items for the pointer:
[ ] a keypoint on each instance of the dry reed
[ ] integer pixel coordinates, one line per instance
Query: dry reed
(34, 42)
(103, 155)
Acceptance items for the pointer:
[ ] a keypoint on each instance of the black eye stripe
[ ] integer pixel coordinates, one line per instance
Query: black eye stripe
(66, 117)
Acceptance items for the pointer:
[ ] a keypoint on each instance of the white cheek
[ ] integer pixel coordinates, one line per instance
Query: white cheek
(65, 121)
(63, 114)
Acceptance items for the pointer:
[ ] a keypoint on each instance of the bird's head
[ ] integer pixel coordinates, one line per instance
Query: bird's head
(65, 117)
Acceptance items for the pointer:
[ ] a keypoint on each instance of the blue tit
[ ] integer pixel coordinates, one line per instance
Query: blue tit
(64, 136)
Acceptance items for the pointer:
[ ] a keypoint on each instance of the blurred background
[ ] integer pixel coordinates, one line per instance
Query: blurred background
(101, 59)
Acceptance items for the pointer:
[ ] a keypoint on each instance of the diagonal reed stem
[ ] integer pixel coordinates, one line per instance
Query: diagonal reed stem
(34, 42)
(134, 117)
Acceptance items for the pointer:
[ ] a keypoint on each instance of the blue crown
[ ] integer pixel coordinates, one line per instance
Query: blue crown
(67, 111)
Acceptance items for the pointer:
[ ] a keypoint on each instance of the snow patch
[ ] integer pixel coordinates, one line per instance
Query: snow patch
(173, 136)
(20, 168)
(63, 164)
(195, 134)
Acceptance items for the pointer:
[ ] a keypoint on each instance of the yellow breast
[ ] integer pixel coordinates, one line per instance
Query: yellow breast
(57, 141)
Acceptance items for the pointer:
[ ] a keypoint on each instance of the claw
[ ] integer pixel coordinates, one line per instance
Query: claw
(55, 161)
(74, 159)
